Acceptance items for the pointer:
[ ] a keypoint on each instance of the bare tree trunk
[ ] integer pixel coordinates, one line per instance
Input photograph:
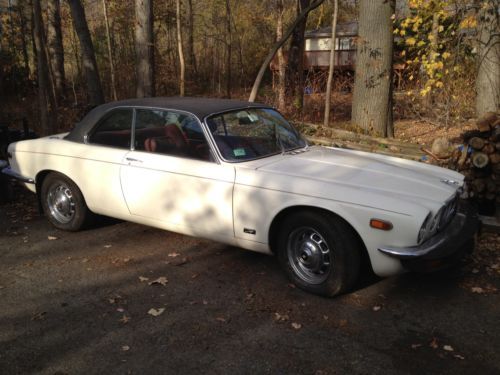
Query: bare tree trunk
(89, 63)
(295, 72)
(179, 48)
(55, 45)
(488, 74)
(110, 52)
(281, 59)
(265, 64)
(229, 46)
(24, 32)
(328, 95)
(144, 48)
(45, 97)
(372, 98)
(191, 54)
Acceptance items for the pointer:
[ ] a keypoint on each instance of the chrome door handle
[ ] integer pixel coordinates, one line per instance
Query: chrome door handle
(133, 160)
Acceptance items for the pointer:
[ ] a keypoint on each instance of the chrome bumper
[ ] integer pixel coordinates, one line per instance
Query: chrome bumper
(9, 172)
(455, 239)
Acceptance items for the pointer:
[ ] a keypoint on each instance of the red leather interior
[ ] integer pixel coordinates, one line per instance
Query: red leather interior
(172, 141)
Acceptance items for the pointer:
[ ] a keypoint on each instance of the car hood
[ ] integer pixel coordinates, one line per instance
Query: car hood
(399, 178)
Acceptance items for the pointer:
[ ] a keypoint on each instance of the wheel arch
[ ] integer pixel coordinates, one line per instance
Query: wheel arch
(40, 177)
(278, 220)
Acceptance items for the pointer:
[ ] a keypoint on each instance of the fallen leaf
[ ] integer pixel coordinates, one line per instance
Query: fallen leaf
(477, 290)
(434, 343)
(181, 262)
(448, 348)
(296, 326)
(107, 246)
(161, 280)
(173, 255)
(156, 312)
(195, 275)
(281, 318)
(221, 319)
(475, 270)
(291, 286)
(120, 309)
(342, 322)
(416, 346)
(125, 319)
(459, 356)
(205, 302)
(143, 278)
(376, 308)
(85, 260)
(126, 260)
(125, 348)
(325, 317)
(51, 238)
(39, 316)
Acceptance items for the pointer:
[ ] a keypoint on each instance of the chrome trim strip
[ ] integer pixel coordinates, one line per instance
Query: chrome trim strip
(9, 172)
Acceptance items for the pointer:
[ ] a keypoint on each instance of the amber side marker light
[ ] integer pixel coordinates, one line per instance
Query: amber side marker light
(380, 224)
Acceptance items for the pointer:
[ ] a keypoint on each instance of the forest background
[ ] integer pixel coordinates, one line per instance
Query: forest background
(58, 59)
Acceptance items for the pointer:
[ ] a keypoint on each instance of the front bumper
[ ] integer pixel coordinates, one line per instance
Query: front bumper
(449, 244)
(9, 172)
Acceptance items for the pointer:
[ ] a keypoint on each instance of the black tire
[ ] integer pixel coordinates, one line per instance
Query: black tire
(63, 203)
(319, 252)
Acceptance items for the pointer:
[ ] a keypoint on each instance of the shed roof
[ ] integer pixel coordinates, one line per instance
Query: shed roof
(343, 29)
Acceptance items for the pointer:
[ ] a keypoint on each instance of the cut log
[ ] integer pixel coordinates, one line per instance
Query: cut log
(484, 123)
(495, 158)
(478, 185)
(495, 135)
(480, 159)
(477, 143)
(491, 186)
(488, 148)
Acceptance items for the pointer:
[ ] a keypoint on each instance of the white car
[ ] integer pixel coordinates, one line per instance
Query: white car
(239, 173)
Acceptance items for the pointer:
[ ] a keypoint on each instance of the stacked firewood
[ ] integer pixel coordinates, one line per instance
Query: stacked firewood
(479, 160)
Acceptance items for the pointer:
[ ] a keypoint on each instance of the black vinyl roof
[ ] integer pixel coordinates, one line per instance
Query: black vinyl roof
(199, 107)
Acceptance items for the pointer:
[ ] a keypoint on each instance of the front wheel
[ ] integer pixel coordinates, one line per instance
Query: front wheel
(63, 203)
(319, 252)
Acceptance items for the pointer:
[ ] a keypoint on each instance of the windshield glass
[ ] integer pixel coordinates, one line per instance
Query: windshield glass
(253, 133)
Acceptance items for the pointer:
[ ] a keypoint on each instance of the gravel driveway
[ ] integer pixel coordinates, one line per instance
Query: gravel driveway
(124, 298)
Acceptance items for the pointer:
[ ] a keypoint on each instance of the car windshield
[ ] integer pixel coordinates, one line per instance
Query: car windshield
(253, 133)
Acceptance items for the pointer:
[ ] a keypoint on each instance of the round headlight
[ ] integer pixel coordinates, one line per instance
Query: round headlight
(424, 231)
(436, 220)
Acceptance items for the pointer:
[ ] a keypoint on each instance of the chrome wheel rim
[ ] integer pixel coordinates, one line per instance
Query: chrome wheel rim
(309, 255)
(61, 203)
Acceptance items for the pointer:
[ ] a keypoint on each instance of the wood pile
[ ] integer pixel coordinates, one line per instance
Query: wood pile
(479, 160)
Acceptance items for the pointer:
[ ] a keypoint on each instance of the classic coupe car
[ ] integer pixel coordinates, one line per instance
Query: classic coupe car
(239, 173)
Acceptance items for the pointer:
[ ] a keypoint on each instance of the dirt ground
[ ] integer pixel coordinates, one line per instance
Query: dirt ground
(88, 303)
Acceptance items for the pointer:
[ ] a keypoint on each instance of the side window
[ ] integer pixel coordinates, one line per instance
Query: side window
(114, 129)
(170, 133)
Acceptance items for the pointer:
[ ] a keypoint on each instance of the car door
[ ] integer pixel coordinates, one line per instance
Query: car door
(96, 165)
(171, 177)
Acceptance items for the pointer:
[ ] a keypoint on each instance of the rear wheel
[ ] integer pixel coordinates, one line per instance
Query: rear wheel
(319, 252)
(63, 203)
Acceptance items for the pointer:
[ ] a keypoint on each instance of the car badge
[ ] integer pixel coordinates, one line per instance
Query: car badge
(450, 182)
